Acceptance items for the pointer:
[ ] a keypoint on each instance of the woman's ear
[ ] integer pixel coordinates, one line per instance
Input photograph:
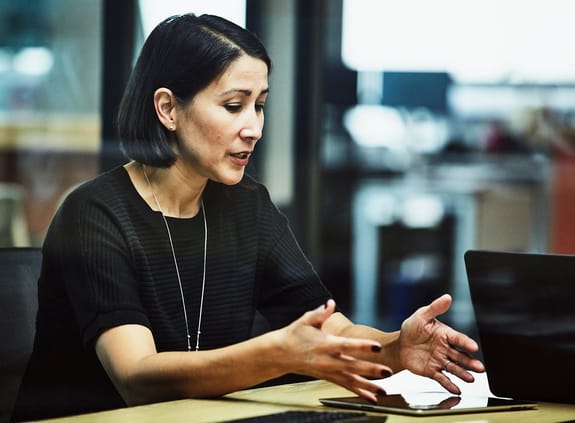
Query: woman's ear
(165, 105)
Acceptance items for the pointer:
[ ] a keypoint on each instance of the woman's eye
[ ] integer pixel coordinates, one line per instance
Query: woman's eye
(233, 108)
(260, 107)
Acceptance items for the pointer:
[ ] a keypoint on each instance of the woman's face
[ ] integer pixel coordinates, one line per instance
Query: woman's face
(217, 131)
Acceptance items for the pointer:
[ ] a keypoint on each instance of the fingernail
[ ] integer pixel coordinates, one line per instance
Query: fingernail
(376, 348)
(381, 392)
(385, 373)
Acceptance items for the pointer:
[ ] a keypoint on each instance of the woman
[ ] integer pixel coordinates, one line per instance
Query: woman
(153, 272)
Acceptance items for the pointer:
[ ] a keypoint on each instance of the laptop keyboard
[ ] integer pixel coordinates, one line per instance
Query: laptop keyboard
(313, 417)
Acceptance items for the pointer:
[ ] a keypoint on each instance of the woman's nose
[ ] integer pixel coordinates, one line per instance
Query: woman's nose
(253, 127)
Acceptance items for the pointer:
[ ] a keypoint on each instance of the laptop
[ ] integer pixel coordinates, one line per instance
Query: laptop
(524, 305)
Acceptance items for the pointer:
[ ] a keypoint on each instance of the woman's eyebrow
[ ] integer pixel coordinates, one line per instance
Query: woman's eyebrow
(245, 92)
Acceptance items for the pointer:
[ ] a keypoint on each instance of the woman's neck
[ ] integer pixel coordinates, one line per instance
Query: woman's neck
(172, 191)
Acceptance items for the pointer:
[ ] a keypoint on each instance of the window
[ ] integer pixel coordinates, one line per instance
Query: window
(487, 41)
(49, 109)
(153, 11)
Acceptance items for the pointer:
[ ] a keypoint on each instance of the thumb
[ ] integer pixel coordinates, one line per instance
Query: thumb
(317, 317)
(438, 306)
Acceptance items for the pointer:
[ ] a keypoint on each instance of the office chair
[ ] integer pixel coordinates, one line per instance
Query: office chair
(13, 226)
(19, 272)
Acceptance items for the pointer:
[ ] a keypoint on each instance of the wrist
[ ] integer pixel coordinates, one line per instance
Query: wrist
(393, 352)
(274, 352)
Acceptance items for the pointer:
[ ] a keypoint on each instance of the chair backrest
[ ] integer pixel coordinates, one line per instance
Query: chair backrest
(13, 225)
(19, 272)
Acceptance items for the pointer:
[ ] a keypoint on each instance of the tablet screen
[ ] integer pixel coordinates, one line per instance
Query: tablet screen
(428, 403)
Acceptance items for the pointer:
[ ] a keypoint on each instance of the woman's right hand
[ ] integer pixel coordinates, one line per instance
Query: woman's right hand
(308, 350)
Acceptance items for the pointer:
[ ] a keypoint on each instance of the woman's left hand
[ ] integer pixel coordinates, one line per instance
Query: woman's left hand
(430, 348)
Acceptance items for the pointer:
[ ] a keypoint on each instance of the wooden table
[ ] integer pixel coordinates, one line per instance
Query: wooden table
(298, 396)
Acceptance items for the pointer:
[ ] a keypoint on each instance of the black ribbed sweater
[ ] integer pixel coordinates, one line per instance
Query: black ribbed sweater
(107, 261)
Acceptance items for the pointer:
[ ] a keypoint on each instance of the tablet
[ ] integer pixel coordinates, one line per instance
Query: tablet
(429, 403)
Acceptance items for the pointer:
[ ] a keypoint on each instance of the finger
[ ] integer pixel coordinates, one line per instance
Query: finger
(464, 375)
(317, 317)
(365, 368)
(437, 307)
(447, 383)
(465, 361)
(455, 369)
(368, 395)
(462, 372)
(358, 385)
(461, 342)
(350, 365)
(353, 346)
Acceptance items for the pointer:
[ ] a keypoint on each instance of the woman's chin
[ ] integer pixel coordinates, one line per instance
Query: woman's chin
(232, 178)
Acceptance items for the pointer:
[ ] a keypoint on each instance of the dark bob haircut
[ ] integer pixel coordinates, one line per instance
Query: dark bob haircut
(184, 53)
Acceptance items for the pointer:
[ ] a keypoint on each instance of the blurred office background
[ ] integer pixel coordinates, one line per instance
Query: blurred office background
(398, 133)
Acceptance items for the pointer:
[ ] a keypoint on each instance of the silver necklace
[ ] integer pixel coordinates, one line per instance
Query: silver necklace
(178, 270)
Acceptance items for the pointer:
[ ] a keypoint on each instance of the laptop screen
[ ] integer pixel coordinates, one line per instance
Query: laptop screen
(524, 305)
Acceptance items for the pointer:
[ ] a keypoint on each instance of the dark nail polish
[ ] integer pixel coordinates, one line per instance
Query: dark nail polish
(381, 392)
(376, 348)
(385, 373)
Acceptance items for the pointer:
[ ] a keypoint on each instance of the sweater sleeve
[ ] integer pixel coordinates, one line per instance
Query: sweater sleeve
(95, 263)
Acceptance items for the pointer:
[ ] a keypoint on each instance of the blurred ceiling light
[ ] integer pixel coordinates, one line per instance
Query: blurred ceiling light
(423, 211)
(154, 11)
(33, 61)
(375, 126)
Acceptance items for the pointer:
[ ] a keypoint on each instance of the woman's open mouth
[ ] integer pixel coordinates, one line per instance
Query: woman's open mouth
(241, 155)
(241, 159)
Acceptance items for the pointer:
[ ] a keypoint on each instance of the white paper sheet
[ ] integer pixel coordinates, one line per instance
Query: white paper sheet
(408, 382)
